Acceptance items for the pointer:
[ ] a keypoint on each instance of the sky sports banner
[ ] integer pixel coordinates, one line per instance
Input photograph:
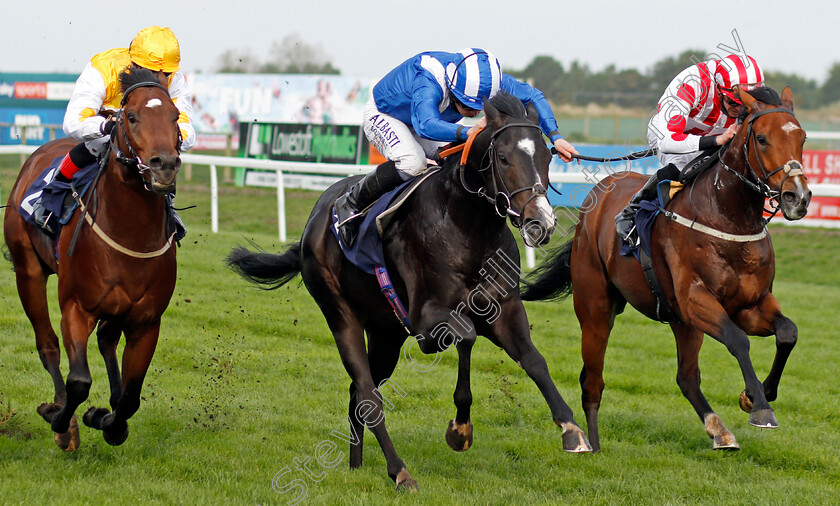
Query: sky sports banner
(221, 102)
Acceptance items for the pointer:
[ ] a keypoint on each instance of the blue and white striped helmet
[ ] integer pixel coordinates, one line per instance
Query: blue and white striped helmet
(476, 77)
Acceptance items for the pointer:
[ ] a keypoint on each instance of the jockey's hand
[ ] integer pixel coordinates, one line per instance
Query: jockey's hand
(107, 125)
(565, 150)
(480, 125)
(730, 132)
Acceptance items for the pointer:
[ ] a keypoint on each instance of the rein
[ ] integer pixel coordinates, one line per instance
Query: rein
(502, 198)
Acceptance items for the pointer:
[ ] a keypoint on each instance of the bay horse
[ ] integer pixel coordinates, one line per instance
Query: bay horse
(452, 258)
(122, 271)
(715, 268)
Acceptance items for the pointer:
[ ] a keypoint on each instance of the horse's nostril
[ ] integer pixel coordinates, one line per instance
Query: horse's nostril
(789, 197)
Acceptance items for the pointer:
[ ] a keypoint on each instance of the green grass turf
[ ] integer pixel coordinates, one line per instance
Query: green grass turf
(244, 382)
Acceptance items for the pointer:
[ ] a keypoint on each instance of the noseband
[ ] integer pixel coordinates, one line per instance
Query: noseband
(134, 160)
(760, 185)
(500, 196)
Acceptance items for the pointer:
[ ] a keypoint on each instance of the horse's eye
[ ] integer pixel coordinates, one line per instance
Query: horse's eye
(131, 118)
(502, 158)
(761, 139)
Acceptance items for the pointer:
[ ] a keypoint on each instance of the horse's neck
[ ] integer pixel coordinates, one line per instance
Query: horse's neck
(731, 201)
(125, 206)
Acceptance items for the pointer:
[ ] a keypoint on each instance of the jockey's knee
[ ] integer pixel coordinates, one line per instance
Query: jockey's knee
(411, 165)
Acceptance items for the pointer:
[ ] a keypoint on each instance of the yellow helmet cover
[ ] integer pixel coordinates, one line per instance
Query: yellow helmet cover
(157, 49)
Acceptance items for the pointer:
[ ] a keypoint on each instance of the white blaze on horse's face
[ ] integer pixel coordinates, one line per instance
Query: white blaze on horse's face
(790, 126)
(155, 102)
(528, 146)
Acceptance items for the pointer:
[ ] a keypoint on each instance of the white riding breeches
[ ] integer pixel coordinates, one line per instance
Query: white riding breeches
(397, 141)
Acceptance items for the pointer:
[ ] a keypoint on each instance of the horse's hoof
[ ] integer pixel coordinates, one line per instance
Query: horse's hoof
(115, 437)
(69, 441)
(459, 437)
(725, 442)
(574, 440)
(405, 483)
(48, 410)
(58, 426)
(745, 402)
(764, 418)
(93, 417)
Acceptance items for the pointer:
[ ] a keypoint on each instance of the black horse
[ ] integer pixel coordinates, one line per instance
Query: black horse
(453, 261)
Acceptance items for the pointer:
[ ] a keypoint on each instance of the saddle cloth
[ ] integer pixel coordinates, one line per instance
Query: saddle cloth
(367, 252)
(53, 193)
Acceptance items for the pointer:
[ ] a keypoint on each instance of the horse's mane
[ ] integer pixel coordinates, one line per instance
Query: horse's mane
(766, 95)
(136, 75)
(508, 105)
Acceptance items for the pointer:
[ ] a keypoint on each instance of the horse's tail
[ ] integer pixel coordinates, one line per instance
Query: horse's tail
(552, 280)
(267, 270)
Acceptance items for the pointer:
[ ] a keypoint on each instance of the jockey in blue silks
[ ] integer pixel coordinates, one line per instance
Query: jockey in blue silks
(415, 109)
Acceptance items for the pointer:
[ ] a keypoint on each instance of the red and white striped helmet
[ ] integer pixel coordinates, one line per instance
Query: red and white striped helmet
(735, 71)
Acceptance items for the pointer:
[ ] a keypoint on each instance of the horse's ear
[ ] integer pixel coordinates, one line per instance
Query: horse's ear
(749, 102)
(494, 117)
(787, 98)
(532, 114)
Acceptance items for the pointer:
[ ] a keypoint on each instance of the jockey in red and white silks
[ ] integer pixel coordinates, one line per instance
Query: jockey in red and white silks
(698, 106)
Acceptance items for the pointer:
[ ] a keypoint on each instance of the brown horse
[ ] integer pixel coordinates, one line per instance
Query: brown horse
(121, 274)
(715, 268)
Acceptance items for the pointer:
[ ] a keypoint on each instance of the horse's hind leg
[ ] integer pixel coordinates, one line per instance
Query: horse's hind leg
(596, 317)
(139, 349)
(383, 355)
(763, 320)
(689, 340)
(32, 288)
(349, 339)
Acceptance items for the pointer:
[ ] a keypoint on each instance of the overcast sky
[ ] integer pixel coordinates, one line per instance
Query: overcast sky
(368, 37)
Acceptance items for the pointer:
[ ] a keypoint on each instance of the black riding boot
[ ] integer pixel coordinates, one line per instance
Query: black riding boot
(365, 192)
(625, 221)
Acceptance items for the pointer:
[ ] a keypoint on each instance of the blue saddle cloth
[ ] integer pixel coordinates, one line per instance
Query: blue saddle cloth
(52, 192)
(645, 217)
(367, 252)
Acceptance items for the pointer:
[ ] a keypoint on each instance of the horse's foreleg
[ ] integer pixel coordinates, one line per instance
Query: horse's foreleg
(107, 335)
(76, 326)
(139, 348)
(766, 319)
(703, 311)
(440, 327)
(689, 340)
(512, 334)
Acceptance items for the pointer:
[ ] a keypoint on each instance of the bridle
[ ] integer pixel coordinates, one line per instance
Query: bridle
(501, 197)
(792, 168)
(134, 159)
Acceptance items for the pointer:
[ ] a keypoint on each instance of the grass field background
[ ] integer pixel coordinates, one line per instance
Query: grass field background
(244, 382)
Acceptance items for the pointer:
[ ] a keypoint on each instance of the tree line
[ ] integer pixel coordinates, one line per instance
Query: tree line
(576, 84)
(579, 85)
